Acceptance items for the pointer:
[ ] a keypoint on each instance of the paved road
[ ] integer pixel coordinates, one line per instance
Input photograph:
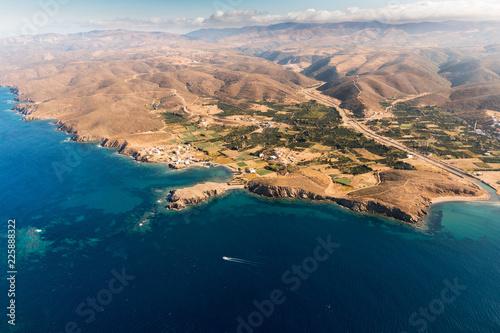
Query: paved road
(350, 122)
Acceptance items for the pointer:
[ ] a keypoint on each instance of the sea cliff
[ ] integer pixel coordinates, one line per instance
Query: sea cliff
(181, 198)
(404, 195)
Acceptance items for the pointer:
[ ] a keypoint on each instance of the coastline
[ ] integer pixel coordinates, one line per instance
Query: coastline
(370, 207)
(182, 198)
(192, 165)
(482, 199)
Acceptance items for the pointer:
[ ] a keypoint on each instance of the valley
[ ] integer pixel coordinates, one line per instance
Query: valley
(298, 118)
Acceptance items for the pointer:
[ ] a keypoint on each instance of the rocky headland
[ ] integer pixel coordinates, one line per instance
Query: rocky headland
(182, 198)
(404, 195)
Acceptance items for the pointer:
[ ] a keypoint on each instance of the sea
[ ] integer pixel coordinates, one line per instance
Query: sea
(97, 251)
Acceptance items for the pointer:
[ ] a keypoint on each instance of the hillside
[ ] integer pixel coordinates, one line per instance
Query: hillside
(382, 61)
(116, 84)
(363, 77)
(247, 99)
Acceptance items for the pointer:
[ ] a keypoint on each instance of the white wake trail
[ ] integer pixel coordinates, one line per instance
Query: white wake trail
(243, 261)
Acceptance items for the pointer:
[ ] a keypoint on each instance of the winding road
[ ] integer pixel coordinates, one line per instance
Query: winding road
(184, 104)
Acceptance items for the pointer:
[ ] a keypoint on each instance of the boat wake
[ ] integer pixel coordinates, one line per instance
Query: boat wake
(243, 261)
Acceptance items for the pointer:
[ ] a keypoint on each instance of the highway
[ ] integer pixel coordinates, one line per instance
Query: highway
(353, 123)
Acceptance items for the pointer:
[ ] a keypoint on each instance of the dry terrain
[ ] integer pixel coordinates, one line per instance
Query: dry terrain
(116, 84)
(403, 195)
(251, 99)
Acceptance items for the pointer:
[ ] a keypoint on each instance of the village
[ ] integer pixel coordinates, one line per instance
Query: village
(183, 156)
(177, 157)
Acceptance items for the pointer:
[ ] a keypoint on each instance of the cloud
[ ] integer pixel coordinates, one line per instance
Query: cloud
(231, 16)
(218, 19)
(394, 12)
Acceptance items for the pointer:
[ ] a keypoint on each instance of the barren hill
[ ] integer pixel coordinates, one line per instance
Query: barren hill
(381, 60)
(404, 195)
(109, 84)
(362, 77)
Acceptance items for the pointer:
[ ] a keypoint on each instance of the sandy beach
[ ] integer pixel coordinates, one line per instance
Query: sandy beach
(485, 197)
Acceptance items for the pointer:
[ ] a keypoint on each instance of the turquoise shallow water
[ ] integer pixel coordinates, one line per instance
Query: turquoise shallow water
(89, 201)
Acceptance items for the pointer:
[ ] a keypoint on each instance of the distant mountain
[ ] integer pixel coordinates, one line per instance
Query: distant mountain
(89, 80)
(364, 63)
(460, 78)
(256, 39)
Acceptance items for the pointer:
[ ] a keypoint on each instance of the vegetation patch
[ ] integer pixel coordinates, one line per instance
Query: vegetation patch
(360, 169)
(430, 130)
(203, 145)
(490, 159)
(191, 139)
(243, 157)
(231, 110)
(400, 165)
(483, 165)
(271, 105)
(263, 172)
(172, 118)
(343, 181)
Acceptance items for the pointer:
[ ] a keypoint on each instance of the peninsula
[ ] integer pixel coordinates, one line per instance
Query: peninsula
(319, 127)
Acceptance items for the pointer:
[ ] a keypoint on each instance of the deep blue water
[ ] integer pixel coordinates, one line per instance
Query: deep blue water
(89, 201)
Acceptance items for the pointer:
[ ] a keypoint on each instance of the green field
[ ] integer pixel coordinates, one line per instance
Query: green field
(263, 171)
(210, 148)
(203, 145)
(191, 139)
(343, 181)
(241, 164)
(243, 157)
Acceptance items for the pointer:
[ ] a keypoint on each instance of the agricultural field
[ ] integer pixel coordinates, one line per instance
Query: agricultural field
(436, 132)
(276, 137)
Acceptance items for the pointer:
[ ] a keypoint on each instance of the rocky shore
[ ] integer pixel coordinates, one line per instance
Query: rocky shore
(27, 110)
(182, 198)
(402, 195)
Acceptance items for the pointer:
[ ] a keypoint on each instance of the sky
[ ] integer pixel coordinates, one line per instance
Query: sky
(64, 16)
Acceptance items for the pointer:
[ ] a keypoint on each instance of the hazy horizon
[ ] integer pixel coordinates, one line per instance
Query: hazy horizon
(72, 16)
